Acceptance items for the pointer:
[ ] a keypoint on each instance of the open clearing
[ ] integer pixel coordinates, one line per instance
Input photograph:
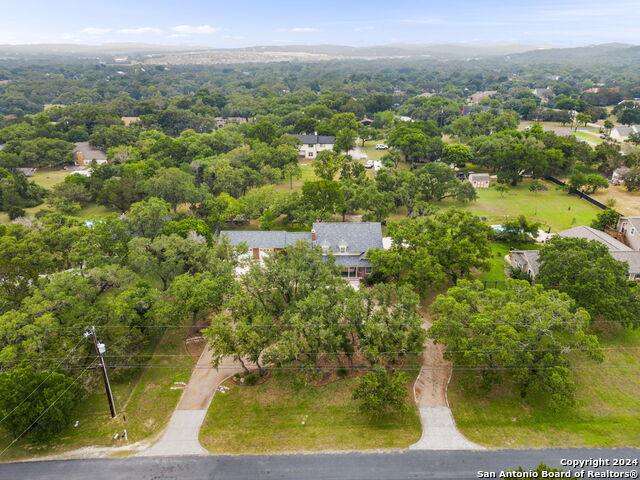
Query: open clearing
(554, 208)
(284, 415)
(143, 395)
(627, 203)
(606, 413)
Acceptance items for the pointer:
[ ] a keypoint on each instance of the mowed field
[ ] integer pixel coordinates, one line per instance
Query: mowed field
(605, 415)
(284, 415)
(553, 208)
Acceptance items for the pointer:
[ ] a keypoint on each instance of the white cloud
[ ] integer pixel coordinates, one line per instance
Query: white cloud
(140, 30)
(363, 29)
(193, 29)
(95, 31)
(178, 35)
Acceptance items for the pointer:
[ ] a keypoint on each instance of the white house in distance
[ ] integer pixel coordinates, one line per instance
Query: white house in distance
(312, 145)
(480, 180)
(622, 133)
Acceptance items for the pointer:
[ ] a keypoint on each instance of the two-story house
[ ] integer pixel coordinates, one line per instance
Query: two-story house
(314, 144)
(348, 243)
(629, 230)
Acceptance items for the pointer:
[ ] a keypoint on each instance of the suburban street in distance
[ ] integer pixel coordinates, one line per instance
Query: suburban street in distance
(449, 465)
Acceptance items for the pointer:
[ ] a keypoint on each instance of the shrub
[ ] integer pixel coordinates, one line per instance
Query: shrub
(380, 392)
(342, 372)
(251, 379)
(16, 212)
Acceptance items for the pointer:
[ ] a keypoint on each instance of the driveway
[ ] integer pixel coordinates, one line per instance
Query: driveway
(181, 435)
(439, 431)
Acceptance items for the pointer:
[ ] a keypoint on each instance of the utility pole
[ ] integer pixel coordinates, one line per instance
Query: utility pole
(100, 349)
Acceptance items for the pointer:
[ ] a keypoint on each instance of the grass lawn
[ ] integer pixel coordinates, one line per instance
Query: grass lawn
(268, 418)
(498, 263)
(49, 178)
(627, 203)
(606, 413)
(308, 175)
(554, 208)
(587, 136)
(142, 395)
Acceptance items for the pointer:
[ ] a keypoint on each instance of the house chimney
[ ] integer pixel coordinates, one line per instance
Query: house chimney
(313, 235)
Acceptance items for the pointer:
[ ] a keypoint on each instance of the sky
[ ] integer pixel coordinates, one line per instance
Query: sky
(242, 23)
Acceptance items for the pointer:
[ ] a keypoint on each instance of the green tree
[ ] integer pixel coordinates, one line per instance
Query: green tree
(327, 164)
(38, 403)
(519, 334)
(345, 140)
(502, 188)
(166, 257)
(456, 154)
(425, 251)
(382, 393)
(606, 219)
(632, 179)
(174, 186)
(148, 217)
(586, 272)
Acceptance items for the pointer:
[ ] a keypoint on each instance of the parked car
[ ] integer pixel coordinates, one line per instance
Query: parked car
(369, 164)
(363, 155)
(382, 146)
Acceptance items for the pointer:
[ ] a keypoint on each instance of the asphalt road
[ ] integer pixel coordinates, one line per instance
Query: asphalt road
(443, 465)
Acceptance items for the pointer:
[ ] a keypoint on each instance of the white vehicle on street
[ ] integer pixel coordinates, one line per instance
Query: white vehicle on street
(369, 164)
(382, 146)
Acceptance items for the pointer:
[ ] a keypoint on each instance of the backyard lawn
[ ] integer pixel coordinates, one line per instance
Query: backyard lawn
(606, 413)
(49, 178)
(553, 208)
(144, 396)
(283, 415)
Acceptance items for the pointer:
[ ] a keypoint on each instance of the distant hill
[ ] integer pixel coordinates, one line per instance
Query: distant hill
(438, 51)
(606, 53)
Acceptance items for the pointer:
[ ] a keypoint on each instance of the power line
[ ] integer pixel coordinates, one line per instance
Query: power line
(45, 411)
(422, 367)
(43, 381)
(164, 355)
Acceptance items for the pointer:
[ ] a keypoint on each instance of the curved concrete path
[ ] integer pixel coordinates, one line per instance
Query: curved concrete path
(181, 435)
(439, 431)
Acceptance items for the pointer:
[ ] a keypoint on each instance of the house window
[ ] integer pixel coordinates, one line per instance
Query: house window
(310, 154)
(310, 145)
(343, 249)
(367, 270)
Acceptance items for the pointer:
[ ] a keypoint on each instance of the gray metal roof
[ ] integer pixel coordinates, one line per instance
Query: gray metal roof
(265, 239)
(356, 237)
(589, 233)
(315, 139)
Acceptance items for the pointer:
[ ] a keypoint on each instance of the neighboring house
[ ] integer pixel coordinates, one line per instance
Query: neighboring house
(528, 260)
(480, 180)
(347, 242)
(622, 133)
(426, 94)
(629, 230)
(314, 144)
(543, 93)
(128, 121)
(86, 154)
(478, 96)
(366, 122)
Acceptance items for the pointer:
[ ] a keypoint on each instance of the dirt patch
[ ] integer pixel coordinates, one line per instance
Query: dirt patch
(431, 385)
